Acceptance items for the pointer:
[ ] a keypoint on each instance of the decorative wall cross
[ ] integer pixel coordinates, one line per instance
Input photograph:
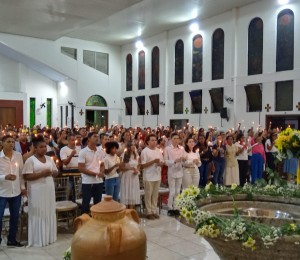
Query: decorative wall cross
(186, 110)
(268, 107)
(298, 106)
(147, 112)
(205, 110)
(81, 112)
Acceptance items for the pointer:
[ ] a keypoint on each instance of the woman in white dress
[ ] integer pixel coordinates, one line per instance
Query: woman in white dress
(130, 184)
(38, 171)
(191, 175)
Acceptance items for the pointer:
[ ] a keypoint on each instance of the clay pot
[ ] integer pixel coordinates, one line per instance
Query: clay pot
(112, 233)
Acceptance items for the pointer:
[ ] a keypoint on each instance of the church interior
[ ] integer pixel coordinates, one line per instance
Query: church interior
(225, 65)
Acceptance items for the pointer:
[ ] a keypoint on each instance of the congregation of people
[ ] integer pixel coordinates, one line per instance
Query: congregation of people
(120, 162)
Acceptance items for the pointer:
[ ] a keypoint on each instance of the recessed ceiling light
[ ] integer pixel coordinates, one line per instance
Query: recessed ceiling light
(194, 27)
(139, 45)
(283, 2)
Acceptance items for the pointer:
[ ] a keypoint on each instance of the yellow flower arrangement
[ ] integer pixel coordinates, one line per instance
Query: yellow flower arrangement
(288, 143)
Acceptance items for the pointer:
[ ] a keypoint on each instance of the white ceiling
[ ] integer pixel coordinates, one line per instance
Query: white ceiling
(110, 21)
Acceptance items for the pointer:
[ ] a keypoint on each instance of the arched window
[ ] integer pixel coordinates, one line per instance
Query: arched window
(218, 54)
(179, 62)
(197, 58)
(141, 83)
(96, 101)
(285, 41)
(155, 67)
(255, 46)
(129, 72)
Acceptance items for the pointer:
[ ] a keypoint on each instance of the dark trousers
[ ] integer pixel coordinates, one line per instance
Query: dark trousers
(14, 204)
(243, 170)
(270, 161)
(90, 191)
(204, 170)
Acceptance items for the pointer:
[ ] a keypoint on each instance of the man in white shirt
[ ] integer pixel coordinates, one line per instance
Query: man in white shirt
(152, 160)
(174, 156)
(91, 166)
(11, 187)
(69, 158)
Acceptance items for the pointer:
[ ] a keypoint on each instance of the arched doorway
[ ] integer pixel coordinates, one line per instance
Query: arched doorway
(98, 114)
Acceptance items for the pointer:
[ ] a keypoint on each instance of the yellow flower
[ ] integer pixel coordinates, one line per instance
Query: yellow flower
(295, 144)
(233, 186)
(183, 212)
(250, 243)
(293, 226)
(179, 197)
(207, 186)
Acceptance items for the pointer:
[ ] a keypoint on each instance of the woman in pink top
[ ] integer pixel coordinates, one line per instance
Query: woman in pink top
(258, 159)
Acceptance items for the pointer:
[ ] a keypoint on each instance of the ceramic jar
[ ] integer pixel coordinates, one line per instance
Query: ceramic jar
(112, 233)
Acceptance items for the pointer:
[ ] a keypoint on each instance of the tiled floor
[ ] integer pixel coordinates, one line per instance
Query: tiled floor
(167, 239)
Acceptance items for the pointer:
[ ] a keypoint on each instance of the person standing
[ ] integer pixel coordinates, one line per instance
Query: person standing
(218, 159)
(271, 151)
(69, 158)
(174, 157)
(11, 187)
(152, 160)
(191, 175)
(130, 184)
(242, 158)
(38, 171)
(232, 167)
(91, 166)
(205, 155)
(112, 163)
(258, 158)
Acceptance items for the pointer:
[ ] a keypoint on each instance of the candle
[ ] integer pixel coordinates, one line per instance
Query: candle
(161, 150)
(16, 164)
(125, 150)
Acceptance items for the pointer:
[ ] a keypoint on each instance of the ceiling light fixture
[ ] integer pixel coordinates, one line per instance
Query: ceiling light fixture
(139, 45)
(283, 2)
(194, 27)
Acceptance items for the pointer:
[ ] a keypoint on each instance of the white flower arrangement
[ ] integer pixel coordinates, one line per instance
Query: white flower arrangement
(209, 225)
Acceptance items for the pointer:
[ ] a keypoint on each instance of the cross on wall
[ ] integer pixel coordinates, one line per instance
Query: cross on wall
(298, 106)
(268, 107)
(186, 110)
(205, 110)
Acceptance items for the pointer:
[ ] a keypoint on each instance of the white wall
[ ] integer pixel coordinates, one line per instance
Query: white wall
(18, 82)
(235, 25)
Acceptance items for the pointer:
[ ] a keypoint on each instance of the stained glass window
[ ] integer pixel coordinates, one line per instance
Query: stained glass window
(197, 58)
(218, 54)
(179, 62)
(96, 101)
(129, 72)
(178, 103)
(141, 78)
(255, 46)
(285, 41)
(155, 67)
(284, 96)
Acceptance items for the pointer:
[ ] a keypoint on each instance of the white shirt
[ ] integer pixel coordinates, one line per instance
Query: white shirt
(110, 161)
(102, 150)
(273, 150)
(92, 160)
(244, 154)
(153, 172)
(11, 166)
(172, 153)
(65, 152)
(190, 157)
